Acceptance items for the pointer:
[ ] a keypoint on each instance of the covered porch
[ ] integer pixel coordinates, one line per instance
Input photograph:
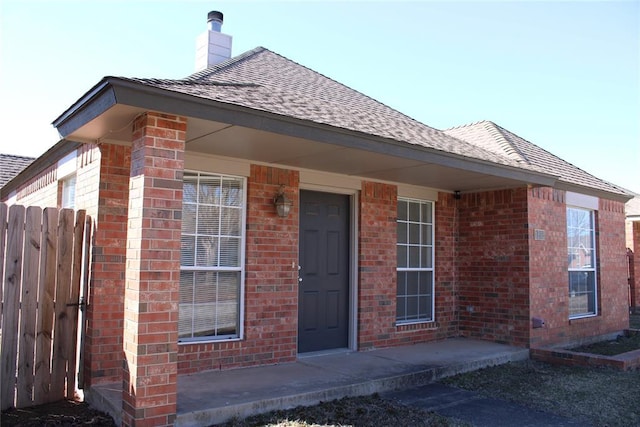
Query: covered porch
(214, 397)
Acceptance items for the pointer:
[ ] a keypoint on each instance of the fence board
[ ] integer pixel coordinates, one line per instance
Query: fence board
(11, 301)
(46, 295)
(74, 298)
(62, 325)
(28, 306)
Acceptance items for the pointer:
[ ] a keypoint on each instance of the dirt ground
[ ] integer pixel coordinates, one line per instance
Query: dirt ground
(63, 413)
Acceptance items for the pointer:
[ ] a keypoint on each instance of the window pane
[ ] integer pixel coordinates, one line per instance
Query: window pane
(185, 315)
(414, 234)
(231, 222)
(189, 190)
(403, 209)
(208, 220)
(187, 250)
(232, 192)
(402, 232)
(414, 256)
(229, 252)
(189, 213)
(414, 212)
(209, 190)
(402, 257)
(402, 283)
(426, 259)
(207, 251)
(413, 280)
(427, 213)
(427, 234)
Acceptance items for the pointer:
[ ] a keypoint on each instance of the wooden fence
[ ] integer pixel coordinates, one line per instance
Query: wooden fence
(44, 267)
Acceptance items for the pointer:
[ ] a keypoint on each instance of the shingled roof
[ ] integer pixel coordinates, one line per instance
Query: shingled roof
(11, 165)
(498, 140)
(263, 80)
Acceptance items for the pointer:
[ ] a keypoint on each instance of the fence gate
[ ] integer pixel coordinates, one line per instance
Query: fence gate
(44, 265)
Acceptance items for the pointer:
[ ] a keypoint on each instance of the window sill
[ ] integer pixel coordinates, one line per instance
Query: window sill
(417, 326)
(209, 341)
(582, 318)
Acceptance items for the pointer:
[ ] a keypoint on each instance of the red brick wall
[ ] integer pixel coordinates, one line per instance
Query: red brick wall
(635, 267)
(613, 304)
(103, 341)
(548, 265)
(493, 266)
(377, 241)
(271, 290)
(549, 277)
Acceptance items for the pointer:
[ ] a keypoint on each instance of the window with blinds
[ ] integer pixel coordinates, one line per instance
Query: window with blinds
(212, 257)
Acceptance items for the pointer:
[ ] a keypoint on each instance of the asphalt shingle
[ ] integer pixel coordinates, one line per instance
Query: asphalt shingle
(263, 80)
(497, 139)
(11, 165)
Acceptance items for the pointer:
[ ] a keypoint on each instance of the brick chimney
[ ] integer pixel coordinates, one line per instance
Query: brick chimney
(212, 46)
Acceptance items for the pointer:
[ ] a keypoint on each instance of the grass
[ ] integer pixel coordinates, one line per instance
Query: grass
(349, 411)
(634, 321)
(601, 397)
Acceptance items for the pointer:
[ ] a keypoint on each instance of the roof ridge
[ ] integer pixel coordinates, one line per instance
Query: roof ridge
(511, 150)
(466, 125)
(225, 64)
(619, 188)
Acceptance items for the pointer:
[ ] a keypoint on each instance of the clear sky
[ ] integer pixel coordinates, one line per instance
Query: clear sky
(563, 75)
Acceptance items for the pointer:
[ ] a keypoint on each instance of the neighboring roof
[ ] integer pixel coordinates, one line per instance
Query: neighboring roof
(632, 208)
(11, 165)
(263, 80)
(498, 140)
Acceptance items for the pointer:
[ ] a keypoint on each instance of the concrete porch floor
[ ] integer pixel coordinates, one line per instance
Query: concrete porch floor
(214, 397)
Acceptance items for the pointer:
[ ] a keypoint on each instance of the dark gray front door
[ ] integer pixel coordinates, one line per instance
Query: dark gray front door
(323, 304)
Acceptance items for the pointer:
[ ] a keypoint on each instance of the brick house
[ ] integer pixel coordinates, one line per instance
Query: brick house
(388, 232)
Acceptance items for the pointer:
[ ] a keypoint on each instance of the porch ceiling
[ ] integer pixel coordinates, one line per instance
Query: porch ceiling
(107, 112)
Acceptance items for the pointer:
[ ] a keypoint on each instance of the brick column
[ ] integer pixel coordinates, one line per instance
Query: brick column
(103, 341)
(377, 265)
(153, 271)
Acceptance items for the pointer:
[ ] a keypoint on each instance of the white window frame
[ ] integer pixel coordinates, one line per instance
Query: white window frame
(431, 269)
(240, 269)
(67, 197)
(589, 270)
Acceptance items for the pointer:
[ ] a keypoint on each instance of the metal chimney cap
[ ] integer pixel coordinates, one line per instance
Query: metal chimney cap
(214, 14)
